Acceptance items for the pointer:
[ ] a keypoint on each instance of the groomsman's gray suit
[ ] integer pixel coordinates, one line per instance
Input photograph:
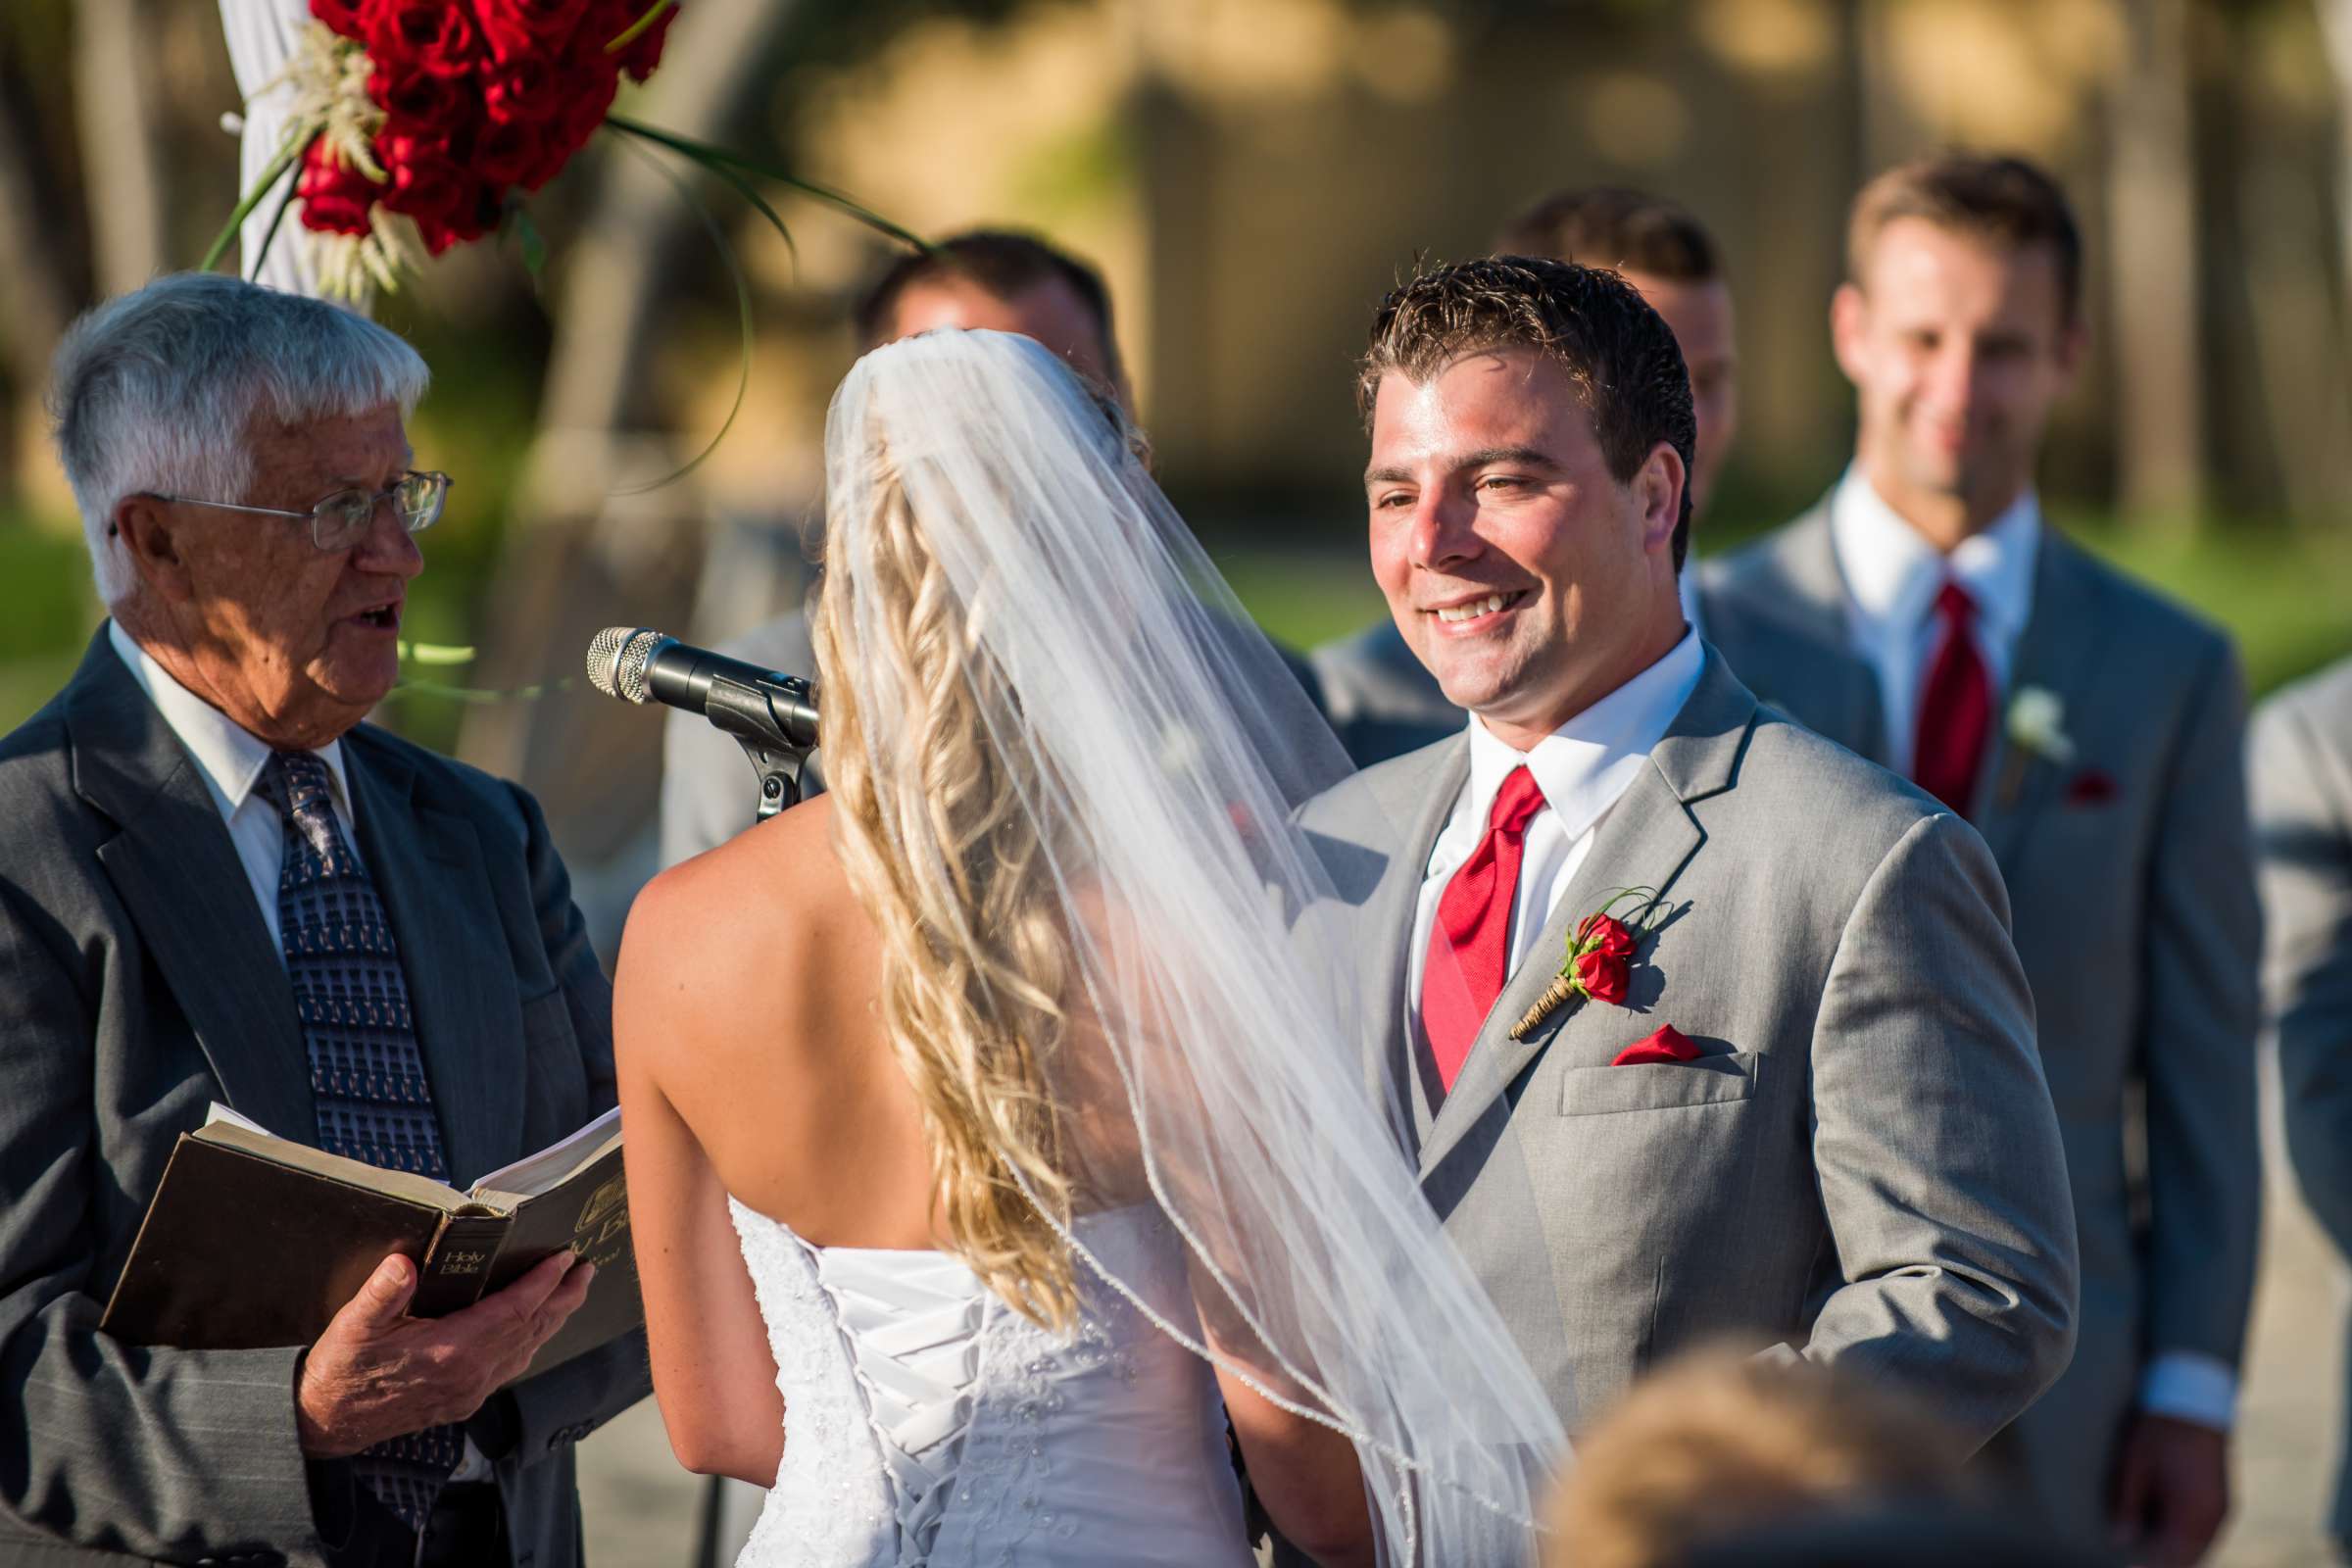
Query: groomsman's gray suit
(1384, 702)
(137, 984)
(2129, 871)
(1863, 1163)
(2301, 772)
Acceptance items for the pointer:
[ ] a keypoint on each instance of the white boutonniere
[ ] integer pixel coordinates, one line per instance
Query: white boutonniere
(2036, 727)
(2038, 724)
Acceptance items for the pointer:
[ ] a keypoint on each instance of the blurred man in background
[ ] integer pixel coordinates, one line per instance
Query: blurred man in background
(1384, 703)
(2092, 732)
(2300, 775)
(991, 279)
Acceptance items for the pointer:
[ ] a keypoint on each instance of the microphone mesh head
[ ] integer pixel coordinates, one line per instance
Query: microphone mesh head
(616, 661)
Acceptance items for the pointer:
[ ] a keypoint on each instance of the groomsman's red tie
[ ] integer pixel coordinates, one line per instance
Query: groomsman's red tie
(1470, 940)
(1956, 707)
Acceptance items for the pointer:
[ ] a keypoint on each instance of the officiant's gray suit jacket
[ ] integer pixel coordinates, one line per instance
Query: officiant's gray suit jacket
(137, 984)
(2130, 872)
(2301, 779)
(1863, 1164)
(1384, 702)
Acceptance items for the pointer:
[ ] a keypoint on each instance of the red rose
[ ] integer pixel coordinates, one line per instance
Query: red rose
(516, 152)
(585, 93)
(334, 200)
(644, 52)
(418, 98)
(340, 16)
(1601, 974)
(434, 37)
(449, 204)
(1604, 933)
(520, 29)
(522, 88)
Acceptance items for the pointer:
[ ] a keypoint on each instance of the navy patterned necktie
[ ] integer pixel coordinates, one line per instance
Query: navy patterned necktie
(367, 1075)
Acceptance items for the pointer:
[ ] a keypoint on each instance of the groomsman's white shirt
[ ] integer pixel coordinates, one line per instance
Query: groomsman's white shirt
(1892, 576)
(230, 761)
(1582, 767)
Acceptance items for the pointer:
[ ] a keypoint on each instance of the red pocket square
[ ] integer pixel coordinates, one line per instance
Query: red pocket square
(1668, 1043)
(2091, 787)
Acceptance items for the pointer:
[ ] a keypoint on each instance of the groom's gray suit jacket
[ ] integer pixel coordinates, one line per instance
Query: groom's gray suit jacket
(1863, 1164)
(137, 984)
(2129, 871)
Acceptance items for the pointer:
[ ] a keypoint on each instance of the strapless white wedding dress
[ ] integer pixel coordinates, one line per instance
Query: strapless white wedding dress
(926, 1422)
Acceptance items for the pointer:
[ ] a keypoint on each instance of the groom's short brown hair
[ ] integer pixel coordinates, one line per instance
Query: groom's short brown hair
(1617, 352)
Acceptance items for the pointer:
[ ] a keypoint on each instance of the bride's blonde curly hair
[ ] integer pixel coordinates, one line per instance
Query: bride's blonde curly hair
(945, 855)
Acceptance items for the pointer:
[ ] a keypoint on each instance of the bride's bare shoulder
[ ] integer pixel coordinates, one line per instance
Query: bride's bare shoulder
(732, 933)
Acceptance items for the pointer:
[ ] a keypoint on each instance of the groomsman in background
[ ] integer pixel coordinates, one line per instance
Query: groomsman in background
(2092, 731)
(992, 279)
(2301, 775)
(1384, 703)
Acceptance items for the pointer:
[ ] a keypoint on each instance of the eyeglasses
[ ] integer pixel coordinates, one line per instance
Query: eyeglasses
(338, 522)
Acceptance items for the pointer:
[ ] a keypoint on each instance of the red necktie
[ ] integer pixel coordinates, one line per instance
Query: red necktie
(1956, 707)
(1470, 940)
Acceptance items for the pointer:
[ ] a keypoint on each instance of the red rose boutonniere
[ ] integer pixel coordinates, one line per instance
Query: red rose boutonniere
(1601, 956)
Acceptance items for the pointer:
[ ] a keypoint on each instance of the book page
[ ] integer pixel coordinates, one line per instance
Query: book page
(217, 1113)
(534, 1174)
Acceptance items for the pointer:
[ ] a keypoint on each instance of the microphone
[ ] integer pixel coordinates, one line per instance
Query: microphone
(772, 714)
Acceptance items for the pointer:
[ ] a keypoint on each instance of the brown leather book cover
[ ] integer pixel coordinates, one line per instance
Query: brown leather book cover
(254, 1241)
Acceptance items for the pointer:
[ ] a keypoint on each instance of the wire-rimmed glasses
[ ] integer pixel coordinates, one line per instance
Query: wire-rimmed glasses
(338, 522)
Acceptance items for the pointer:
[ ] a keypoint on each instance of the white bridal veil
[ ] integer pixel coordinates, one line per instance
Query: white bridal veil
(1167, 747)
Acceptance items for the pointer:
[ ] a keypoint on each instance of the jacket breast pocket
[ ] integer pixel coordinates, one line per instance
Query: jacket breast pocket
(1659, 1086)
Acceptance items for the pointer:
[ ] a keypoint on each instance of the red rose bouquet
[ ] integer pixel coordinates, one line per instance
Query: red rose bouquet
(444, 111)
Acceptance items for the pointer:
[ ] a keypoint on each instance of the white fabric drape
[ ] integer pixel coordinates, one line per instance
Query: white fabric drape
(262, 35)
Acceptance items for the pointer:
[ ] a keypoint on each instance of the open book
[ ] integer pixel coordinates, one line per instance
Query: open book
(254, 1240)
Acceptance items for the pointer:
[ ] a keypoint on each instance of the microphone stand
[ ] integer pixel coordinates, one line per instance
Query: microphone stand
(750, 717)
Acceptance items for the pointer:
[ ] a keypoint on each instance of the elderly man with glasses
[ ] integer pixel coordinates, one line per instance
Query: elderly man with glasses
(217, 884)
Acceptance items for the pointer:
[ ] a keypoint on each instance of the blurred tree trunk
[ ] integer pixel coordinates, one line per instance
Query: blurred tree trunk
(116, 91)
(576, 556)
(2153, 266)
(39, 293)
(2335, 27)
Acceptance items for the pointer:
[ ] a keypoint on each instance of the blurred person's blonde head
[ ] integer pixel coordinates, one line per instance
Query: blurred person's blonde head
(1666, 252)
(1960, 325)
(1719, 1443)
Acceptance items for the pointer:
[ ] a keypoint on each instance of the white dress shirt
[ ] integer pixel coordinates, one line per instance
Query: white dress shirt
(1583, 769)
(1892, 576)
(230, 761)
(1686, 588)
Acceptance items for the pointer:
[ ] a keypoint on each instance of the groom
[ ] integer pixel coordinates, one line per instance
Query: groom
(1807, 1106)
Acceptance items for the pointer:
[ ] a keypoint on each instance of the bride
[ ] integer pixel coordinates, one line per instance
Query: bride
(996, 1141)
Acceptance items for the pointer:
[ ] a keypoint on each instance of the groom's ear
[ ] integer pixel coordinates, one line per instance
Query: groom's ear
(1657, 489)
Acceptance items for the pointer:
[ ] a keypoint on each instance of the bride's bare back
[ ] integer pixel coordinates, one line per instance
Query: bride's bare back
(773, 1052)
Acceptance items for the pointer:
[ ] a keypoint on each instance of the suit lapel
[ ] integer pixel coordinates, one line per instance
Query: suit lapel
(2057, 652)
(426, 865)
(176, 871)
(1389, 1064)
(1647, 840)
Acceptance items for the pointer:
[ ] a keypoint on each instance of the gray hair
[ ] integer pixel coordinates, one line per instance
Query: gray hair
(160, 390)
